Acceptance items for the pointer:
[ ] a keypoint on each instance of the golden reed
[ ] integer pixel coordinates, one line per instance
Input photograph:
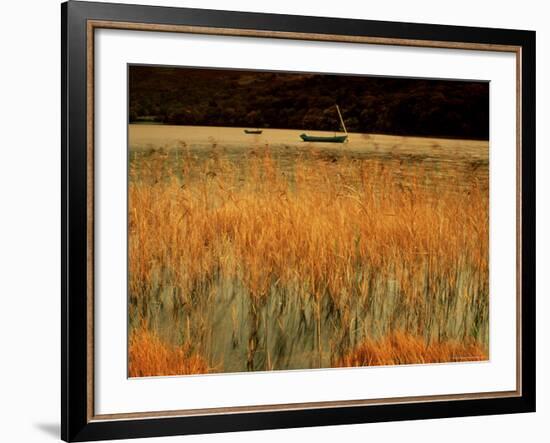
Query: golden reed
(149, 356)
(316, 225)
(399, 348)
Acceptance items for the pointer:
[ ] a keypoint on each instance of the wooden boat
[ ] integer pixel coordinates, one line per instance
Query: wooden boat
(328, 139)
(252, 131)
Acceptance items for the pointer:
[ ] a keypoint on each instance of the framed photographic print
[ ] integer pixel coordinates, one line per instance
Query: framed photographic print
(279, 221)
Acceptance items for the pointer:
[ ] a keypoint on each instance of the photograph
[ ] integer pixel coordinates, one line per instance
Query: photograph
(301, 220)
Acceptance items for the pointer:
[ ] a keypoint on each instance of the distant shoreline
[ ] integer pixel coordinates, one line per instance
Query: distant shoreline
(313, 131)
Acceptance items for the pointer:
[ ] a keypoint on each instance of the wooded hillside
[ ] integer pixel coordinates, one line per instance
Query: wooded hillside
(209, 97)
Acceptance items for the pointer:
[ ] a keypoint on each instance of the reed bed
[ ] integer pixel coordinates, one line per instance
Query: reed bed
(399, 349)
(149, 356)
(265, 261)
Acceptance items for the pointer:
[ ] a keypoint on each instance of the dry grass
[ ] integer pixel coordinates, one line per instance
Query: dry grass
(345, 230)
(149, 356)
(399, 348)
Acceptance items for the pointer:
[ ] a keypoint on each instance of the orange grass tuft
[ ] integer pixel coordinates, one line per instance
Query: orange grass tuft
(399, 348)
(149, 356)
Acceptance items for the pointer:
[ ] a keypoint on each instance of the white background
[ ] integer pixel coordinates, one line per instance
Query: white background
(29, 221)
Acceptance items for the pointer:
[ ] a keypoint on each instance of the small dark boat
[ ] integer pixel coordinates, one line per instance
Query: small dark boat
(252, 131)
(328, 139)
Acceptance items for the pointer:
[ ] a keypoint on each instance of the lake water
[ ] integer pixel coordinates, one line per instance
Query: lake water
(144, 137)
(457, 162)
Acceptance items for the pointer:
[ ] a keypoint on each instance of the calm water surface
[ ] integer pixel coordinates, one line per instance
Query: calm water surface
(144, 137)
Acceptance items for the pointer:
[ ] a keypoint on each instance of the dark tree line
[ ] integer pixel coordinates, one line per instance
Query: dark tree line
(399, 106)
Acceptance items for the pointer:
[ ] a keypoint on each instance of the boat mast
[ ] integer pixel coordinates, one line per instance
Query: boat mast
(341, 120)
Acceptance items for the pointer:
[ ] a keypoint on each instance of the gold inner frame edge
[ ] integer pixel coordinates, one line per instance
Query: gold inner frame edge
(103, 24)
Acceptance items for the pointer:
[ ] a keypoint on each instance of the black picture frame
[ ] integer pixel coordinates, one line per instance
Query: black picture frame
(76, 422)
